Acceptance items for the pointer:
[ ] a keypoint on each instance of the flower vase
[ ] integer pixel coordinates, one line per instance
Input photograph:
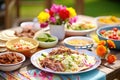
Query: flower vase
(58, 31)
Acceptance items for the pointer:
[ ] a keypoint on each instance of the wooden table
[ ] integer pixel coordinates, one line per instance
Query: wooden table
(112, 70)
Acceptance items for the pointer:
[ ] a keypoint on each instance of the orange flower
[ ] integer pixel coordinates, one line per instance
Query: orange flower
(101, 50)
(102, 42)
(111, 44)
(111, 58)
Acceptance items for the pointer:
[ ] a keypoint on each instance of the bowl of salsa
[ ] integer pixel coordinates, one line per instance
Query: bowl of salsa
(110, 33)
(24, 45)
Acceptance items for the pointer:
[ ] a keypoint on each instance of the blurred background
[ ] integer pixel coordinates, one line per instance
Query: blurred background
(13, 12)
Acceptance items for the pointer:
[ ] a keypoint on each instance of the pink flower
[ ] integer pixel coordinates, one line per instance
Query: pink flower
(56, 8)
(73, 20)
(52, 19)
(47, 10)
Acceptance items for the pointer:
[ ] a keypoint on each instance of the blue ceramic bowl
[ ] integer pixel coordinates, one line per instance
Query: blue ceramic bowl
(117, 42)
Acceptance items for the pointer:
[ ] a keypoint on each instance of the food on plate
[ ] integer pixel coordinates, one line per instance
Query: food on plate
(63, 59)
(45, 37)
(109, 20)
(114, 33)
(79, 42)
(26, 32)
(81, 26)
(22, 45)
(10, 58)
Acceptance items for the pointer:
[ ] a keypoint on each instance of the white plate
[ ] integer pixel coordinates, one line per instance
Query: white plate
(80, 32)
(33, 25)
(35, 62)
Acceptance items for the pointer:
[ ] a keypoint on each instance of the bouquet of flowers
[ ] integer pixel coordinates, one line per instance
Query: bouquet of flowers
(57, 14)
(104, 52)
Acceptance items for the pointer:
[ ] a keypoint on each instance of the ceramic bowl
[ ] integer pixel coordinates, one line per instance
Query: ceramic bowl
(11, 67)
(117, 42)
(102, 24)
(78, 42)
(45, 44)
(26, 52)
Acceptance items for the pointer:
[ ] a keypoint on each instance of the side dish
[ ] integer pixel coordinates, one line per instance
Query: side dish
(26, 32)
(10, 58)
(114, 33)
(81, 26)
(45, 40)
(109, 20)
(45, 37)
(79, 42)
(22, 45)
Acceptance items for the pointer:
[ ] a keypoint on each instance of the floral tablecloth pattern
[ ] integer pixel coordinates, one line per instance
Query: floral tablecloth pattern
(36, 74)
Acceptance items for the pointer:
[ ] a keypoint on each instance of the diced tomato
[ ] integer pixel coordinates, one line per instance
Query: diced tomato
(20, 48)
(17, 45)
(26, 48)
(118, 38)
(115, 37)
(102, 31)
(114, 34)
(110, 36)
(115, 29)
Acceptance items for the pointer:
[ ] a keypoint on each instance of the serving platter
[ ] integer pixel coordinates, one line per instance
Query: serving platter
(35, 61)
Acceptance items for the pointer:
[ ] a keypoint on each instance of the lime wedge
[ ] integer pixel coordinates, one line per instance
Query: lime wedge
(42, 37)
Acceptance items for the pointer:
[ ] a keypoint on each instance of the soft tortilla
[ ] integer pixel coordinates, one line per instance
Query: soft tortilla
(3, 49)
(2, 43)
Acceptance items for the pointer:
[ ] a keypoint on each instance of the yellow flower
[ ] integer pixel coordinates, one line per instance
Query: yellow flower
(111, 44)
(72, 12)
(43, 17)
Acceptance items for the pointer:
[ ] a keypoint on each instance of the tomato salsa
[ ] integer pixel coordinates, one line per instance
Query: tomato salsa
(22, 45)
(114, 33)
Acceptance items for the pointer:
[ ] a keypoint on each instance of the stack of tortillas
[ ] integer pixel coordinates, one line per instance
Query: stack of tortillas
(4, 37)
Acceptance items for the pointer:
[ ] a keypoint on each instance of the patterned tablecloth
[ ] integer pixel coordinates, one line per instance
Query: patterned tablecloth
(36, 74)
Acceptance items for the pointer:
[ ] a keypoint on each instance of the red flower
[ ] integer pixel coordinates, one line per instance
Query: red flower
(51, 13)
(64, 14)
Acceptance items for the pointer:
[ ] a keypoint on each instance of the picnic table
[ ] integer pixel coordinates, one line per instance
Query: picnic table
(111, 71)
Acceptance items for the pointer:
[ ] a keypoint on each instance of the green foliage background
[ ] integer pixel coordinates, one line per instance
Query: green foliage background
(92, 7)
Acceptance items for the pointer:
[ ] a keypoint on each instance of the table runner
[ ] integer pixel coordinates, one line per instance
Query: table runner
(36, 74)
